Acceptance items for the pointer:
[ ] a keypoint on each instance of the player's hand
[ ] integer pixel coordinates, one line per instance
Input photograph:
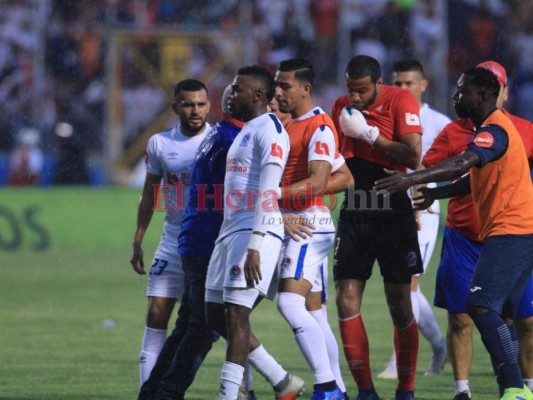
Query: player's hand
(296, 226)
(354, 125)
(397, 182)
(424, 199)
(137, 260)
(252, 268)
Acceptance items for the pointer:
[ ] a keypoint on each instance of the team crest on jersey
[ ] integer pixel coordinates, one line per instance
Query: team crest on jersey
(484, 139)
(411, 259)
(245, 140)
(286, 263)
(235, 272)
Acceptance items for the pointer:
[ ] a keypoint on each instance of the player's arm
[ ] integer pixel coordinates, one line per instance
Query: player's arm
(448, 169)
(341, 178)
(145, 211)
(426, 196)
(265, 204)
(406, 151)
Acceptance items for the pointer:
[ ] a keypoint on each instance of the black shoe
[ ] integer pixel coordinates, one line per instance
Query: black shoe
(462, 396)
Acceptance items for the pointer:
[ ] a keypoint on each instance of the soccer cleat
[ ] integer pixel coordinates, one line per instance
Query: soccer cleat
(404, 395)
(390, 370)
(335, 394)
(294, 389)
(367, 394)
(462, 396)
(244, 394)
(517, 394)
(438, 360)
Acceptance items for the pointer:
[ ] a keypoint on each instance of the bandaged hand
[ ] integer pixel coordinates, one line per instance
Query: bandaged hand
(354, 125)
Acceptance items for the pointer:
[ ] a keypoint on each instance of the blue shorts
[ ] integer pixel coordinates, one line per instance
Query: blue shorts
(502, 272)
(456, 268)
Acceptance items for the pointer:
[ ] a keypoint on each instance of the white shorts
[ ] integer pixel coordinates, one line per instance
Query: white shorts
(303, 259)
(166, 278)
(427, 237)
(320, 283)
(225, 274)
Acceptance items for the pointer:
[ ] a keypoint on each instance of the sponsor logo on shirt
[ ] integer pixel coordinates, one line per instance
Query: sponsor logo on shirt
(484, 139)
(172, 155)
(233, 166)
(276, 151)
(321, 148)
(235, 272)
(412, 119)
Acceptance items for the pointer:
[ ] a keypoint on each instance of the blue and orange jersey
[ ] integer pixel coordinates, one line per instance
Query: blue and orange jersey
(502, 192)
(452, 141)
(395, 112)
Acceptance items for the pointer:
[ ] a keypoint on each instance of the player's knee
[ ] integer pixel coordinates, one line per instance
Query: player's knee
(460, 323)
(524, 326)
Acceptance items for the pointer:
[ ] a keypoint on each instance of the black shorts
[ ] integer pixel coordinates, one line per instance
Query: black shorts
(390, 237)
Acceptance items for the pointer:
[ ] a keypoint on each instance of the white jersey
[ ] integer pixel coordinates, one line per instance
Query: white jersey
(262, 141)
(432, 123)
(170, 154)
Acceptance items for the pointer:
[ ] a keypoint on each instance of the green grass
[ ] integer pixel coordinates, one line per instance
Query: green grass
(53, 345)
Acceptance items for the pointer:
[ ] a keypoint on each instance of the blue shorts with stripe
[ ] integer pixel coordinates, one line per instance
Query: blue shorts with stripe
(459, 258)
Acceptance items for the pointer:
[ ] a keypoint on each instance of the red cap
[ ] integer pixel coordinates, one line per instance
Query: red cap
(497, 69)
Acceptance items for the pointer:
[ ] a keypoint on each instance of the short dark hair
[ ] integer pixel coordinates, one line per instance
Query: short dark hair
(484, 79)
(261, 74)
(361, 66)
(189, 85)
(407, 65)
(303, 69)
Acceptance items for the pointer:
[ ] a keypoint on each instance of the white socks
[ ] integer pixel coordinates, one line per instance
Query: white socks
(308, 335)
(230, 381)
(427, 323)
(153, 341)
(266, 365)
(462, 386)
(321, 317)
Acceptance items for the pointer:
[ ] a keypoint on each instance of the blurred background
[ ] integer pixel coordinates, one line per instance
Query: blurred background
(85, 83)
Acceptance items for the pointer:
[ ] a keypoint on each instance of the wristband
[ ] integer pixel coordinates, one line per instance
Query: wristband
(255, 242)
(279, 193)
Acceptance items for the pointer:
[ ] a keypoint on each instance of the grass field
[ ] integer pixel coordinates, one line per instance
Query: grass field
(65, 276)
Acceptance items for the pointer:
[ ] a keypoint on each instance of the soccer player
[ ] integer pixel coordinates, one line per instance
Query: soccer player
(340, 180)
(379, 128)
(502, 195)
(244, 259)
(461, 249)
(409, 74)
(313, 145)
(169, 157)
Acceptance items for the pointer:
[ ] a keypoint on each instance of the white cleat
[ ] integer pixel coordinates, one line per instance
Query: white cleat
(438, 360)
(390, 371)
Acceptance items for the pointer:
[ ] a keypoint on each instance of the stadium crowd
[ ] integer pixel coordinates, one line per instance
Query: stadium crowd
(53, 56)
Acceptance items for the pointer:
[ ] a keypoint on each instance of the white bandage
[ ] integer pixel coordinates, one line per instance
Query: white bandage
(255, 242)
(354, 125)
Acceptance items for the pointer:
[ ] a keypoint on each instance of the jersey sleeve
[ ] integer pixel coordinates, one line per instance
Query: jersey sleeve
(490, 143)
(338, 162)
(322, 145)
(152, 161)
(406, 114)
(273, 143)
(439, 150)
